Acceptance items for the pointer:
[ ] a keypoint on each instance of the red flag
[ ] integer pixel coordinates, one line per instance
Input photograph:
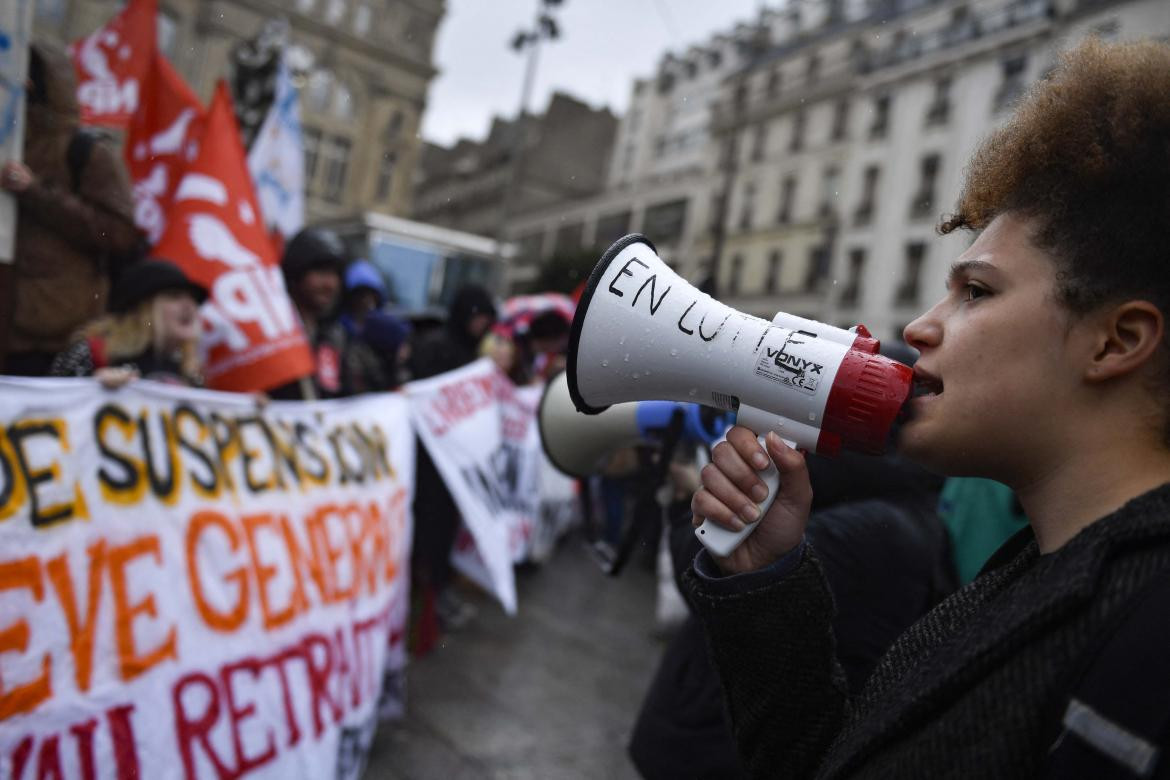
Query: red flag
(112, 63)
(161, 138)
(214, 232)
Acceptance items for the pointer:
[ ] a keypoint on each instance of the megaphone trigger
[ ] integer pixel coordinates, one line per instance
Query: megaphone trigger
(722, 541)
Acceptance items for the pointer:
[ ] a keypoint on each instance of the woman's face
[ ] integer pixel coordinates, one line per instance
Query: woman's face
(176, 318)
(999, 380)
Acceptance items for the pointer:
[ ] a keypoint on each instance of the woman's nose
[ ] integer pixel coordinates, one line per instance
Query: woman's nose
(923, 332)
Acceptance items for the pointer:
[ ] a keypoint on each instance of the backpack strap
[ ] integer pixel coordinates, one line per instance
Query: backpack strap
(1116, 721)
(78, 153)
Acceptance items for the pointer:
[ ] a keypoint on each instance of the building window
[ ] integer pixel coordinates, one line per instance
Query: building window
(394, 127)
(335, 166)
(830, 191)
(759, 142)
(773, 86)
(611, 227)
(787, 196)
(747, 207)
(319, 90)
(715, 219)
(733, 279)
(311, 138)
(940, 107)
(881, 117)
(859, 56)
(818, 268)
(531, 246)
(166, 30)
(334, 10)
(963, 26)
(665, 222)
(840, 120)
(342, 102)
(1106, 30)
(53, 10)
(798, 123)
(852, 292)
(1012, 85)
(772, 284)
(907, 292)
(362, 16)
(569, 238)
(864, 213)
(740, 98)
(923, 203)
(386, 175)
(814, 68)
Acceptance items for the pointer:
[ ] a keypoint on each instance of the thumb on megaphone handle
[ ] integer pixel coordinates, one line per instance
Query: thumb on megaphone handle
(723, 542)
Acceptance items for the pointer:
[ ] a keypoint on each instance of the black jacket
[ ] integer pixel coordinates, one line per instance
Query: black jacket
(977, 688)
(886, 559)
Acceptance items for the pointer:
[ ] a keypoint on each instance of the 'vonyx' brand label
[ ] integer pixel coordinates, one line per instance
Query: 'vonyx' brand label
(781, 365)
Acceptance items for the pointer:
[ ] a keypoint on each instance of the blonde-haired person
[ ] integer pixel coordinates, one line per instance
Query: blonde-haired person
(151, 331)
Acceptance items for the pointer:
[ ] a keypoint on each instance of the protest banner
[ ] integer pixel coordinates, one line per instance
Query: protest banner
(193, 587)
(480, 431)
(215, 233)
(112, 62)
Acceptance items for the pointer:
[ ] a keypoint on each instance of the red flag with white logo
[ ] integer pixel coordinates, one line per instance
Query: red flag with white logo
(161, 138)
(112, 63)
(253, 338)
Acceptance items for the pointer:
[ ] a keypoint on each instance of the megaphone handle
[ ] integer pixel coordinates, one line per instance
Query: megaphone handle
(723, 542)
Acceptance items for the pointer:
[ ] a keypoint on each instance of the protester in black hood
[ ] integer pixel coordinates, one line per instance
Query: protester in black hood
(313, 264)
(437, 519)
(471, 313)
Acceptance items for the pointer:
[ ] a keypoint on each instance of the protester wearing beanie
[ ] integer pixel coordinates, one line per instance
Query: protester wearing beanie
(151, 330)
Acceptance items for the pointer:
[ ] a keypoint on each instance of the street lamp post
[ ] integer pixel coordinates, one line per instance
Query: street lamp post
(543, 27)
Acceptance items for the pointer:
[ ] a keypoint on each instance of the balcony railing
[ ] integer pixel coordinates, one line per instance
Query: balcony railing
(968, 29)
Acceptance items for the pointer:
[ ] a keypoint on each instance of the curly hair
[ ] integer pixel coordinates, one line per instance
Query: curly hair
(1086, 157)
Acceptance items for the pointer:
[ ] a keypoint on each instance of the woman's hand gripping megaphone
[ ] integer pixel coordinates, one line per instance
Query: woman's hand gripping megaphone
(736, 495)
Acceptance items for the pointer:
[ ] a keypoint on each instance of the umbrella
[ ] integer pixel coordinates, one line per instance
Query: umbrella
(518, 312)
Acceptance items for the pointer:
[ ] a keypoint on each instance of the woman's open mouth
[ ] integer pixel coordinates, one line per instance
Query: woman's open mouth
(925, 385)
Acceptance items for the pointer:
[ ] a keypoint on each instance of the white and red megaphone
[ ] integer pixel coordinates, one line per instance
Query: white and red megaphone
(642, 333)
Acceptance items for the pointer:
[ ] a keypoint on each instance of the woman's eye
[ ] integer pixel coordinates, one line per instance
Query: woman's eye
(972, 292)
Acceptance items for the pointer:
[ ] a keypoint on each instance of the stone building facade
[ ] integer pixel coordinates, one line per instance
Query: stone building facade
(365, 66)
(659, 179)
(471, 184)
(828, 148)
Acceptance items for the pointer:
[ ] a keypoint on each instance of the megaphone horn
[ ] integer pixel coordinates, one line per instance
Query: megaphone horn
(578, 444)
(641, 332)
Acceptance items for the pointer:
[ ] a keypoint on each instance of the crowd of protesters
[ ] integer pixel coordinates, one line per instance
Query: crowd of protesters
(85, 297)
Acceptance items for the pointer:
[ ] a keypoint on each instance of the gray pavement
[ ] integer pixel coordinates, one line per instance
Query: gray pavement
(551, 693)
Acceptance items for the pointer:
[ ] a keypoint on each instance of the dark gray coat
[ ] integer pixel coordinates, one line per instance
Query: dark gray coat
(977, 688)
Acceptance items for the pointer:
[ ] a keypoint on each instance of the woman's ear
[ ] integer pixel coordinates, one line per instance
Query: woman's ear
(1127, 337)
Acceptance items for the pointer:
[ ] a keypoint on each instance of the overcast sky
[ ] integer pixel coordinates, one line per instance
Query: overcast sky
(604, 45)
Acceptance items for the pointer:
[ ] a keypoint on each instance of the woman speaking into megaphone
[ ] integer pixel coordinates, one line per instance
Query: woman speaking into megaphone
(1044, 366)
